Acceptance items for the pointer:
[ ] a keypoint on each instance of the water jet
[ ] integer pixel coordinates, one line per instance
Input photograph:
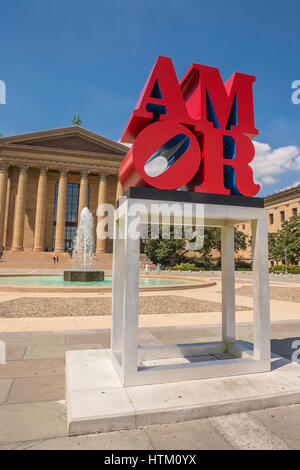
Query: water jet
(83, 252)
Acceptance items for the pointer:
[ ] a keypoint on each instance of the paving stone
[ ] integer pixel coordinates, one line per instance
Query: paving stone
(18, 338)
(24, 339)
(47, 339)
(56, 351)
(291, 294)
(246, 433)
(5, 385)
(15, 353)
(146, 338)
(133, 439)
(32, 421)
(35, 389)
(284, 422)
(87, 338)
(19, 445)
(285, 331)
(184, 436)
(178, 335)
(32, 368)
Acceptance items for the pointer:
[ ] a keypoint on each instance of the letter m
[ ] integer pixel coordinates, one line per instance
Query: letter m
(226, 106)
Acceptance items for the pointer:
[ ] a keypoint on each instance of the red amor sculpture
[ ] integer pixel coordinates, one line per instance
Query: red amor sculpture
(196, 134)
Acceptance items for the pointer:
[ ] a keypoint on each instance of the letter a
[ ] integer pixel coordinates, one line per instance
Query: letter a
(161, 99)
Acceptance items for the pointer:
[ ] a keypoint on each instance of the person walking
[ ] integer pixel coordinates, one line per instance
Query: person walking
(158, 269)
(54, 259)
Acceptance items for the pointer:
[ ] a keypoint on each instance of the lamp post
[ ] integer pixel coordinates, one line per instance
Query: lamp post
(285, 261)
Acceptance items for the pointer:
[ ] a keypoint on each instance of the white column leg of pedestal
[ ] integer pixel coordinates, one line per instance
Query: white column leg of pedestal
(228, 284)
(261, 302)
(131, 301)
(118, 276)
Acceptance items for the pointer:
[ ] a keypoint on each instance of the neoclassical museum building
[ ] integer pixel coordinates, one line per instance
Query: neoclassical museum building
(47, 178)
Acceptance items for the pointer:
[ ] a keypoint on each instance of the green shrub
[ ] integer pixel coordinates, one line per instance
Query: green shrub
(205, 265)
(242, 265)
(280, 268)
(184, 267)
(291, 269)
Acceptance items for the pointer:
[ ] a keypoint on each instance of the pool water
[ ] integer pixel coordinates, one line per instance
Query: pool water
(59, 281)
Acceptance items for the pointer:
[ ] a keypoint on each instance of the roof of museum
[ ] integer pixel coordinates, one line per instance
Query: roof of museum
(74, 129)
(286, 193)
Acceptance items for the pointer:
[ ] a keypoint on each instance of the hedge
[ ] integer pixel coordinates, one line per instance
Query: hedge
(291, 269)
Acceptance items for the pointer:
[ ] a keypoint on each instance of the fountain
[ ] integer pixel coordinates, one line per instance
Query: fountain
(83, 252)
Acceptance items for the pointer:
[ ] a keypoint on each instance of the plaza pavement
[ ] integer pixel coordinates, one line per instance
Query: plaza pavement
(32, 383)
(281, 310)
(33, 407)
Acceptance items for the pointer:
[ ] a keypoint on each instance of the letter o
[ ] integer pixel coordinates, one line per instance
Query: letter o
(154, 137)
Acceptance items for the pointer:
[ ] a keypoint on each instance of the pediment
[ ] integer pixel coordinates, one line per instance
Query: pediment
(71, 143)
(71, 138)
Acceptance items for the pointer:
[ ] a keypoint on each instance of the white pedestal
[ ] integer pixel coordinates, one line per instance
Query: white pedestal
(125, 353)
(98, 402)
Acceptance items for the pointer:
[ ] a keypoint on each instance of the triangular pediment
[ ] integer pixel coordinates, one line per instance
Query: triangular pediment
(74, 138)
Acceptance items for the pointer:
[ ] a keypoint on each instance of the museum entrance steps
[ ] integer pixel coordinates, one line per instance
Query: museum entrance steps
(29, 259)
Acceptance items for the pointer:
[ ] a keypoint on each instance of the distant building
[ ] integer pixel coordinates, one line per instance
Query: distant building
(280, 206)
(47, 178)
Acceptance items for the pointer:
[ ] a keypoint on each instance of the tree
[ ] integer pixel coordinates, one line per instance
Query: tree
(276, 250)
(161, 251)
(212, 241)
(287, 238)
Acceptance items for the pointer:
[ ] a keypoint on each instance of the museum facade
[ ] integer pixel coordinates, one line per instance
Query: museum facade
(47, 178)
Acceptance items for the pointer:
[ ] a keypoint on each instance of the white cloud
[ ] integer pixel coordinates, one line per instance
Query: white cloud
(268, 163)
(268, 180)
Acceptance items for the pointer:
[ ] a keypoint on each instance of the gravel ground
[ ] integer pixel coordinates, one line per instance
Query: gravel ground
(62, 307)
(289, 294)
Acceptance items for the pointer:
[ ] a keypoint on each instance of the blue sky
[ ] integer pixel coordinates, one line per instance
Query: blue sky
(93, 56)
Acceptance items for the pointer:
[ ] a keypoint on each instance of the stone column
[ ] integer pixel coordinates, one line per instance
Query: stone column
(3, 192)
(61, 212)
(6, 211)
(83, 193)
(101, 241)
(119, 191)
(19, 216)
(40, 216)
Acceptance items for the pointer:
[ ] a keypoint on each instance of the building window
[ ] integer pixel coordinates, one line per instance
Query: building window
(71, 213)
(294, 210)
(282, 218)
(244, 226)
(271, 219)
